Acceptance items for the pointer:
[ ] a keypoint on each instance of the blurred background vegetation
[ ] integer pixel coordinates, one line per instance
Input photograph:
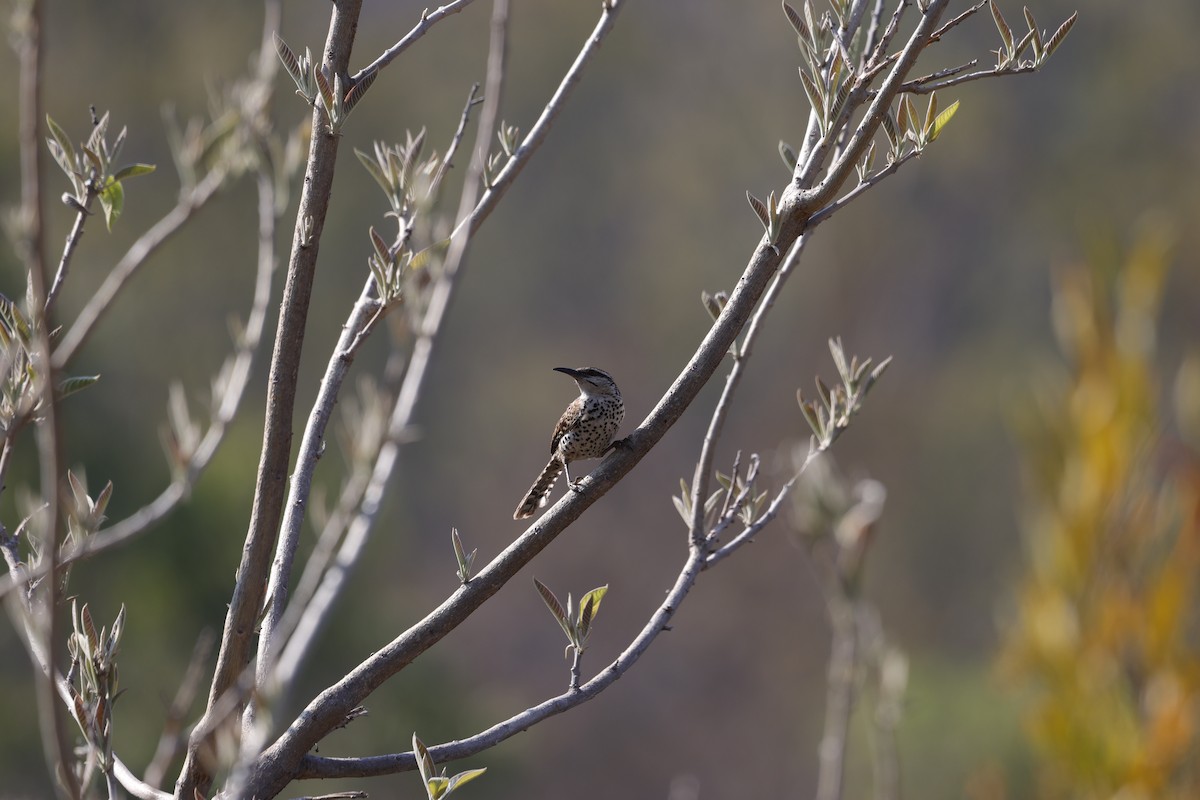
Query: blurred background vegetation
(635, 205)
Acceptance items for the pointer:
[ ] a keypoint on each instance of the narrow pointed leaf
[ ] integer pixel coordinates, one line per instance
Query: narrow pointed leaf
(592, 599)
(381, 248)
(889, 128)
(359, 89)
(421, 259)
(424, 762)
(942, 120)
(463, 777)
(555, 607)
(89, 629)
(816, 97)
(70, 386)
(64, 142)
(930, 113)
(459, 554)
(759, 209)
(797, 22)
(1001, 25)
(290, 63)
(787, 154)
(682, 508)
(372, 167)
(326, 91)
(132, 171)
(1060, 34)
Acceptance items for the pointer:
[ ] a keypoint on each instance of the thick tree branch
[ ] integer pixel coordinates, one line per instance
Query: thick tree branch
(271, 483)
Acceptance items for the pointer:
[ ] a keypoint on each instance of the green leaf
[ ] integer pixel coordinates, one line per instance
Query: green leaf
(437, 787)
(463, 777)
(112, 198)
(592, 599)
(70, 386)
(942, 120)
(421, 259)
(132, 171)
(63, 151)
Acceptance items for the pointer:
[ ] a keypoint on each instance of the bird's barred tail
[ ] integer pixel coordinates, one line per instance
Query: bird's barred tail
(536, 498)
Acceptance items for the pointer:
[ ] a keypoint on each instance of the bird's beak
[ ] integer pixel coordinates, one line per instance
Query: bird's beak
(574, 373)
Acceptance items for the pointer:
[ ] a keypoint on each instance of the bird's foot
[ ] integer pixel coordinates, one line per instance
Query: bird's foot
(617, 444)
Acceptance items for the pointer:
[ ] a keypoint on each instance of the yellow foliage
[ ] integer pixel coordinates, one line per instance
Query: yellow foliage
(1105, 636)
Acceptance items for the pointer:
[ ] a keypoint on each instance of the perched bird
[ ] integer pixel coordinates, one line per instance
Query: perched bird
(585, 430)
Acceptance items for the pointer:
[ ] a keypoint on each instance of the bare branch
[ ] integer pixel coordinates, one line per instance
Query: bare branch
(541, 128)
(322, 767)
(925, 85)
(427, 21)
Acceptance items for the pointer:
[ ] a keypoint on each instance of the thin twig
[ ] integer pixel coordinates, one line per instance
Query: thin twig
(312, 444)
(937, 35)
(576, 666)
(703, 473)
(448, 160)
(918, 87)
(100, 302)
(873, 31)
(907, 86)
(171, 741)
(877, 58)
(82, 212)
(541, 128)
(428, 20)
(849, 197)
